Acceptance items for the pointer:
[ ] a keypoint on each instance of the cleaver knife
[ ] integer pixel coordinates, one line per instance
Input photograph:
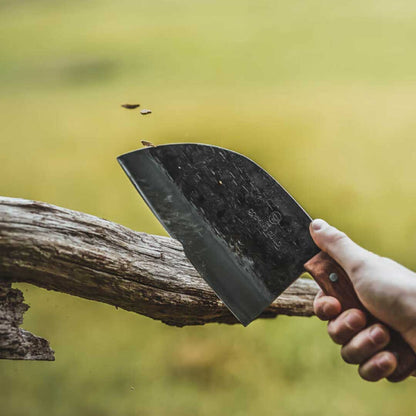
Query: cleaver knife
(242, 231)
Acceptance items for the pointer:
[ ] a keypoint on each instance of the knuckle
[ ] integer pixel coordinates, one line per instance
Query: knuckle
(349, 354)
(336, 236)
(362, 263)
(332, 330)
(380, 366)
(335, 332)
(355, 320)
(369, 374)
(379, 335)
(325, 308)
(357, 265)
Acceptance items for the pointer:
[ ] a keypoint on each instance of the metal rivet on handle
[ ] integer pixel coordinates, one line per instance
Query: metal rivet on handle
(333, 277)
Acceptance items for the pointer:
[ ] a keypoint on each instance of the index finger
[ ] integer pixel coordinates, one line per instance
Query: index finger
(326, 307)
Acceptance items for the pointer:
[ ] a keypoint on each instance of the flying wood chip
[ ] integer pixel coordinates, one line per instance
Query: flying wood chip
(130, 106)
(144, 112)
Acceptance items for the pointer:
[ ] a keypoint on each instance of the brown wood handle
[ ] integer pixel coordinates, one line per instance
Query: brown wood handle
(333, 281)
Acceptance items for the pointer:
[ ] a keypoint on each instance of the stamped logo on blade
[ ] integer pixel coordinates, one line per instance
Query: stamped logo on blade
(266, 225)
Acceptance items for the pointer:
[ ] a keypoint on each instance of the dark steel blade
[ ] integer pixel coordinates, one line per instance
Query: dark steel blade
(246, 236)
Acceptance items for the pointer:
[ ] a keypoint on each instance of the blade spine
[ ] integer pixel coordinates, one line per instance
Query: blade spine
(227, 150)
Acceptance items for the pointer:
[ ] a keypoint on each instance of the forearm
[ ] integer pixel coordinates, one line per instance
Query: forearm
(409, 312)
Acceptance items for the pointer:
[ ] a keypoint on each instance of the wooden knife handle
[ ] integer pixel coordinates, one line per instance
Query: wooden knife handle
(333, 281)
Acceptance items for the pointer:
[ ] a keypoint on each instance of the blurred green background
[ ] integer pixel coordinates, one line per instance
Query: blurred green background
(321, 94)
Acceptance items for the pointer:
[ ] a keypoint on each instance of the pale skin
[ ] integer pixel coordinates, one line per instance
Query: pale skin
(386, 289)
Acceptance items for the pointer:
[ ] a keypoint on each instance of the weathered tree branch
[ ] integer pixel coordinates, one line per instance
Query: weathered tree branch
(16, 343)
(86, 256)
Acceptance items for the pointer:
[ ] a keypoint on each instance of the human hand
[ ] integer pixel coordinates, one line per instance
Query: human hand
(385, 288)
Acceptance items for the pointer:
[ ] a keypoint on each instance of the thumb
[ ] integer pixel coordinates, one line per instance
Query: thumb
(341, 248)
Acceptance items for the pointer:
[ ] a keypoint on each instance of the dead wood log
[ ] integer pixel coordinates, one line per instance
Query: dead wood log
(76, 253)
(16, 343)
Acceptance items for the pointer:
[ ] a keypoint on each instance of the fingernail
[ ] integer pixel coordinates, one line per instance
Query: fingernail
(353, 321)
(377, 335)
(318, 224)
(384, 362)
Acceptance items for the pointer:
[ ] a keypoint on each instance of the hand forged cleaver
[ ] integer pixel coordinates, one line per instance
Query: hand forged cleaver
(242, 231)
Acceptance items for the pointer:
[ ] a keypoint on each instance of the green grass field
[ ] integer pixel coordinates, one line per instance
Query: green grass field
(321, 94)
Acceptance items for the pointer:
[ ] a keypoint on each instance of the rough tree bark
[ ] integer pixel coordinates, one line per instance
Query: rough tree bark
(76, 253)
(16, 343)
